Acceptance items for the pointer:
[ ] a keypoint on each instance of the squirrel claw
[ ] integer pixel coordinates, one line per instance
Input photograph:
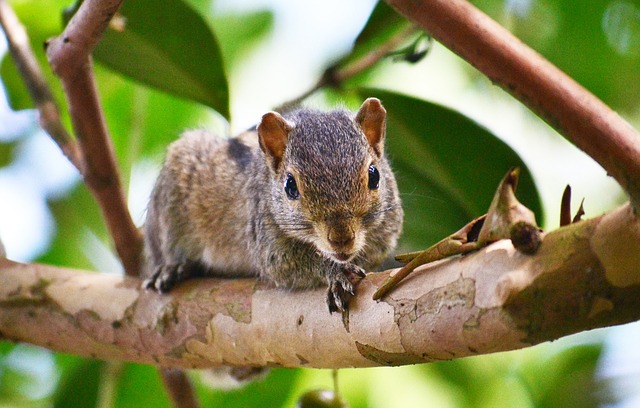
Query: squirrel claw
(354, 274)
(165, 277)
(343, 288)
(338, 297)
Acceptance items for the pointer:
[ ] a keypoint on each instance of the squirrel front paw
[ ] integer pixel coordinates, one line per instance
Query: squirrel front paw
(165, 277)
(342, 287)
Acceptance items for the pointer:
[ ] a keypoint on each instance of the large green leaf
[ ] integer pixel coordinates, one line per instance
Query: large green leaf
(448, 167)
(168, 45)
(142, 120)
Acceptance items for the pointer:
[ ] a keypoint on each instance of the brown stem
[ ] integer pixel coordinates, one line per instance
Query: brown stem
(179, 388)
(572, 110)
(25, 60)
(70, 57)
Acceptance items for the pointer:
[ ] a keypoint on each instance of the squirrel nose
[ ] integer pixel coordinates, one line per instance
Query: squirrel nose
(341, 239)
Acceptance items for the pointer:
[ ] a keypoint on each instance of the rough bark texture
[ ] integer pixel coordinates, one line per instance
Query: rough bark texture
(584, 276)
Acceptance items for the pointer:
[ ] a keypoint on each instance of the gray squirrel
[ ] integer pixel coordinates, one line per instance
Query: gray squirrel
(308, 199)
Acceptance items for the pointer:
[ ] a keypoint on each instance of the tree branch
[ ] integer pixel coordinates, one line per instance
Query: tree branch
(49, 114)
(335, 75)
(70, 57)
(584, 276)
(572, 110)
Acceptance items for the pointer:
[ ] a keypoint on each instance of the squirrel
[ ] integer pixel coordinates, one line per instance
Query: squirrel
(306, 199)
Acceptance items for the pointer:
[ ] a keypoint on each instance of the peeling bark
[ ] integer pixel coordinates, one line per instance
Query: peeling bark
(584, 276)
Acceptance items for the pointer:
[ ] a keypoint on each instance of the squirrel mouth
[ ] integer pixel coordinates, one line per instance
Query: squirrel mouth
(341, 256)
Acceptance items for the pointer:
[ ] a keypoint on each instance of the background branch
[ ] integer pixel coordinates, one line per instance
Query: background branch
(568, 107)
(70, 57)
(584, 276)
(49, 114)
(335, 75)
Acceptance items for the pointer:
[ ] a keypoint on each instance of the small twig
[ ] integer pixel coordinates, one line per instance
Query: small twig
(335, 75)
(506, 218)
(572, 110)
(460, 242)
(70, 57)
(25, 60)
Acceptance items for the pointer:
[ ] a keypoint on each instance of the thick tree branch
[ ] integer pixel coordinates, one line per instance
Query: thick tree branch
(584, 276)
(22, 54)
(572, 110)
(70, 57)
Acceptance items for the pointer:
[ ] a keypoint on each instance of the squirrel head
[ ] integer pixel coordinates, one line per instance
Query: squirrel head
(330, 180)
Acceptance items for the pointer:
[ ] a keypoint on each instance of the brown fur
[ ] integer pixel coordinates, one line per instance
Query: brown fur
(220, 208)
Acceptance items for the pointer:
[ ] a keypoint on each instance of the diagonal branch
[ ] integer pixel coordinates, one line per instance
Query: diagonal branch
(70, 57)
(584, 276)
(49, 114)
(335, 75)
(572, 110)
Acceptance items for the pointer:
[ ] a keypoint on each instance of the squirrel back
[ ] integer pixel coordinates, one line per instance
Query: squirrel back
(308, 199)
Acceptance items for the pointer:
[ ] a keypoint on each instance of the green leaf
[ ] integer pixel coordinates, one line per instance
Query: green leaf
(79, 386)
(142, 120)
(140, 386)
(169, 46)
(448, 167)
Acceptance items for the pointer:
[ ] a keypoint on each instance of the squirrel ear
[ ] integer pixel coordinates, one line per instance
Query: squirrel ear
(372, 120)
(273, 132)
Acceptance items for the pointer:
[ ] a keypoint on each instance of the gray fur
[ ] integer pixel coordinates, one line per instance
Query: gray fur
(218, 208)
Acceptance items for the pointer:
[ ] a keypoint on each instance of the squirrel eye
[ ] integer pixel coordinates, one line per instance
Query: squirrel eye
(291, 187)
(374, 177)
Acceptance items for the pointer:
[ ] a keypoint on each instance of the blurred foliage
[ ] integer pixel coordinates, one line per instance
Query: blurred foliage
(6, 153)
(595, 42)
(566, 378)
(169, 59)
